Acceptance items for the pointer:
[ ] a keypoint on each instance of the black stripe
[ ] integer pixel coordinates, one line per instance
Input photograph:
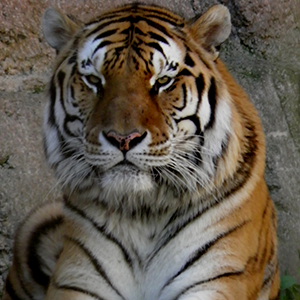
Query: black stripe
(100, 229)
(160, 17)
(152, 9)
(201, 251)
(74, 69)
(185, 72)
(131, 20)
(224, 275)
(270, 278)
(158, 48)
(200, 86)
(158, 37)
(52, 122)
(137, 8)
(129, 34)
(157, 12)
(101, 45)
(195, 120)
(73, 58)
(105, 24)
(172, 87)
(157, 26)
(34, 260)
(52, 92)
(60, 78)
(73, 95)
(77, 289)
(136, 63)
(19, 269)
(212, 99)
(97, 265)
(138, 31)
(105, 34)
(11, 291)
(200, 83)
(70, 119)
(140, 53)
(111, 64)
(188, 60)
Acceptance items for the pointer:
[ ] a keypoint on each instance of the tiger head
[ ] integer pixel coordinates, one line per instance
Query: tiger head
(135, 102)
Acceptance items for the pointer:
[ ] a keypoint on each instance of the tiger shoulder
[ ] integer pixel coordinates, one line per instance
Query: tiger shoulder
(160, 156)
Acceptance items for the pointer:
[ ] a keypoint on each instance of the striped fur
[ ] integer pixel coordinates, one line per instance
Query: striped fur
(161, 158)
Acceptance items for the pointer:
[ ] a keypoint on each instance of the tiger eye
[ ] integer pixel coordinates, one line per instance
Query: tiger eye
(163, 80)
(92, 79)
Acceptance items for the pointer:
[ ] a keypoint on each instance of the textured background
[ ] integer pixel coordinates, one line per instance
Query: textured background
(263, 54)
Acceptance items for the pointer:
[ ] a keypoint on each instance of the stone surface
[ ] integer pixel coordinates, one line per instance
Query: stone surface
(262, 54)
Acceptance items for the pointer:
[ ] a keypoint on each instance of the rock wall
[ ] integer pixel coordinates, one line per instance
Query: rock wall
(263, 53)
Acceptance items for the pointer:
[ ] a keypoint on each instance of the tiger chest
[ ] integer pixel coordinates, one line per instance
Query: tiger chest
(133, 259)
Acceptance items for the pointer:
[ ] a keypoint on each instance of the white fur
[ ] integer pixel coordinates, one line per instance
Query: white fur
(125, 180)
(146, 279)
(86, 52)
(161, 64)
(204, 111)
(214, 137)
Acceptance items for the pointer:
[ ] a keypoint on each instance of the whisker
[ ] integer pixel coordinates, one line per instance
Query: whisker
(193, 146)
(172, 178)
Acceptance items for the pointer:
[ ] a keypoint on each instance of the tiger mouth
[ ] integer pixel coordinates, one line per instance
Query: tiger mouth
(124, 167)
(126, 163)
(124, 178)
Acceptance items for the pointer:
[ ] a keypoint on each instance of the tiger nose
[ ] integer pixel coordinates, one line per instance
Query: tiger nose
(124, 142)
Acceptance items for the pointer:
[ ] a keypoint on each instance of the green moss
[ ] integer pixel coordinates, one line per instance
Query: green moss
(4, 162)
(38, 89)
(289, 288)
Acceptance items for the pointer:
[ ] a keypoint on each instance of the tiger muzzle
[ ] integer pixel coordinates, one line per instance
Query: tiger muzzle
(124, 142)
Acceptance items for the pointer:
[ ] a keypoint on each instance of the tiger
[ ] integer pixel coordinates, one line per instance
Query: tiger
(160, 156)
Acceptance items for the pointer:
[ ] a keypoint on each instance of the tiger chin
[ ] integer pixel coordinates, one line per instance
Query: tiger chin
(161, 160)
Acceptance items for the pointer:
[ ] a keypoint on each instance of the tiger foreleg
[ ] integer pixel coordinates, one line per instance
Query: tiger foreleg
(38, 244)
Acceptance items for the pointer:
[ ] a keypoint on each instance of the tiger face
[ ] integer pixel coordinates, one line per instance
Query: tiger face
(135, 101)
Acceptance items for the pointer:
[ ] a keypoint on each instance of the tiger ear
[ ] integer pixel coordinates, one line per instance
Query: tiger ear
(58, 28)
(212, 28)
